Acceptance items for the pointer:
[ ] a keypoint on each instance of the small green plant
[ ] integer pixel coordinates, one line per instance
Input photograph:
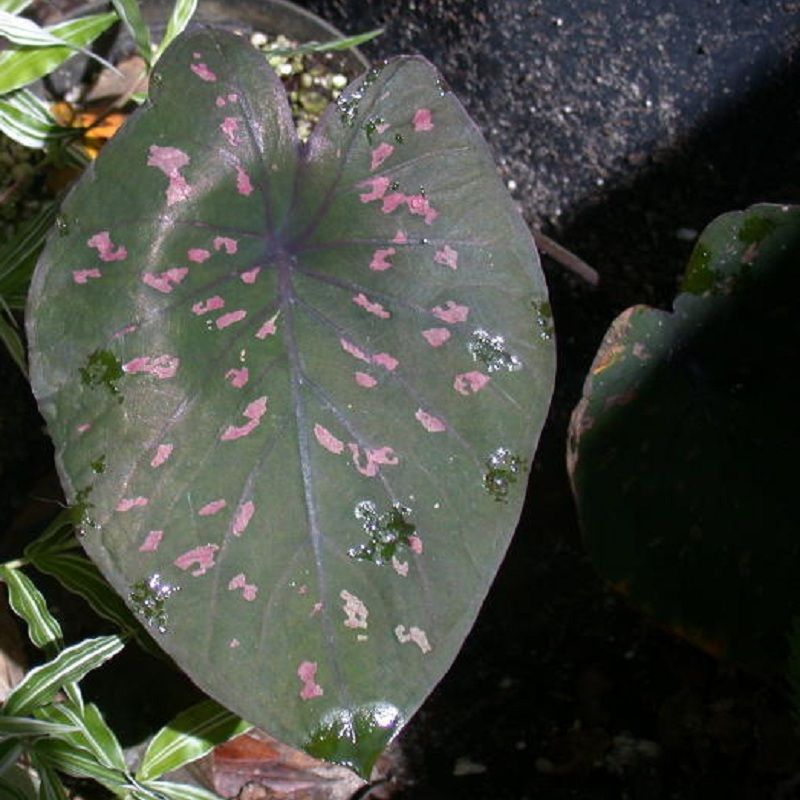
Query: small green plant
(45, 722)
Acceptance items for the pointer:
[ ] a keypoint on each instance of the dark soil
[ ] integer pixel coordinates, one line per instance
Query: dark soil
(622, 127)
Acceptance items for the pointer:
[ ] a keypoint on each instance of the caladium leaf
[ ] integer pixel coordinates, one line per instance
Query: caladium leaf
(295, 390)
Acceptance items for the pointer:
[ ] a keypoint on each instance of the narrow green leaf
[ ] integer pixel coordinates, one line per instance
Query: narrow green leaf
(14, 6)
(131, 15)
(57, 537)
(50, 787)
(21, 67)
(181, 791)
(78, 763)
(15, 791)
(189, 736)
(18, 257)
(87, 730)
(26, 32)
(40, 685)
(27, 602)
(13, 343)
(10, 751)
(344, 43)
(182, 12)
(28, 726)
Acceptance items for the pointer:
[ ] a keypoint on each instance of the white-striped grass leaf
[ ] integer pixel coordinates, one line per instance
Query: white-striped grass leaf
(18, 256)
(180, 791)
(50, 786)
(28, 603)
(24, 121)
(14, 6)
(19, 67)
(26, 32)
(190, 735)
(131, 15)
(182, 12)
(10, 337)
(29, 726)
(78, 763)
(344, 43)
(87, 730)
(74, 694)
(40, 685)
(57, 537)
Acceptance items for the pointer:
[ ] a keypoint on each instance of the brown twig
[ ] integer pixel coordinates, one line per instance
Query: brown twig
(566, 258)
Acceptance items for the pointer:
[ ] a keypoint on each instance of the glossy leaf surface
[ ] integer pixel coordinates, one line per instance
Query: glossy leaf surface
(683, 449)
(295, 390)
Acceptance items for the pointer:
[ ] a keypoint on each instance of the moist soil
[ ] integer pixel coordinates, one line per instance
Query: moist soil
(622, 128)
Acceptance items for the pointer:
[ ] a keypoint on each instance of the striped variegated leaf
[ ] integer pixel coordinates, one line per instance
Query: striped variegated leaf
(19, 67)
(14, 6)
(130, 13)
(50, 785)
(182, 13)
(28, 726)
(191, 735)
(27, 120)
(42, 683)
(78, 763)
(27, 602)
(26, 32)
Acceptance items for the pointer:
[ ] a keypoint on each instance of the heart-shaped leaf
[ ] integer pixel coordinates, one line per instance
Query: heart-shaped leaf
(295, 389)
(682, 451)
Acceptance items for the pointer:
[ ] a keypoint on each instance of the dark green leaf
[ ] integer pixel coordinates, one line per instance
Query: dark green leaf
(317, 402)
(27, 726)
(191, 735)
(40, 685)
(56, 538)
(683, 450)
(78, 763)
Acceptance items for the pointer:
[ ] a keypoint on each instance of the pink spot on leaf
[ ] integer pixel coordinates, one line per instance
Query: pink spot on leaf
(307, 672)
(230, 318)
(250, 275)
(400, 238)
(328, 440)
(400, 567)
(451, 312)
(151, 542)
(161, 367)
(436, 337)
(470, 382)
(249, 590)
(415, 543)
(127, 503)
(230, 127)
(392, 202)
(220, 102)
(83, 275)
(379, 262)
(354, 351)
(354, 609)
(419, 206)
(201, 558)
(214, 507)
(365, 381)
(374, 459)
(373, 308)
(105, 248)
(125, 331)
(83, 427)
(214, 303)
(165, 281)
(415, 635)
(423, 120)
(269, 328)
(447, 257)
(171, 161)
(237, 377)
(378, 190)
(203, 72)
(230, 245)
(242, 517)
(253, 413)
(163, 452)
(386, 361)
(234, 643)
(429, 422)
(380, 154)
(243, 184)
(198, 255)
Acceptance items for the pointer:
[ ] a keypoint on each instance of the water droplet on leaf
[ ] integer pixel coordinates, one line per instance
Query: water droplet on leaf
(502, 470)
(62, 226)
(386, 532)
(544, 319)
(148, 598)
(491, 352)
